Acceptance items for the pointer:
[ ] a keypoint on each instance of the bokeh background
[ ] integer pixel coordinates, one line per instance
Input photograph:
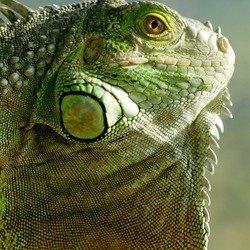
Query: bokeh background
(230, 208)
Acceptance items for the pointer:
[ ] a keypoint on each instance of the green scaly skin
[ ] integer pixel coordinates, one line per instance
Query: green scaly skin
(108, 114)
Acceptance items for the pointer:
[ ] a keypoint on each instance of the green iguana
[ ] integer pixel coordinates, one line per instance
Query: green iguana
(108, 112)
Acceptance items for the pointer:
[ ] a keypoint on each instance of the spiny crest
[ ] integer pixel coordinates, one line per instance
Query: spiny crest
(14, 6)
(16, 11)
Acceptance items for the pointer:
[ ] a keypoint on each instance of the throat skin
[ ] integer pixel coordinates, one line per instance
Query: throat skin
(133, 204)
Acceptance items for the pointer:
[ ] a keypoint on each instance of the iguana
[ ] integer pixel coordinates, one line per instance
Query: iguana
(108, 115)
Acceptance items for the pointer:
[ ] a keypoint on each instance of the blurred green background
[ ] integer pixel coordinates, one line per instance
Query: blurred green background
(230, 208)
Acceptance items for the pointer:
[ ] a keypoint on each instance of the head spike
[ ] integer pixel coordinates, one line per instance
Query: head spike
(206, 197)
(209, 25)
(218, 30)
(213, 142)
(227, 101)
(225, 111)
(20, 8)
(12, 17)
(206, 184)
(212, 156)
(210, 167)
(214, 132)
(219, 124)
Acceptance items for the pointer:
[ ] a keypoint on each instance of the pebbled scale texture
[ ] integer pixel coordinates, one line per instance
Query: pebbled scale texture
(109, 118)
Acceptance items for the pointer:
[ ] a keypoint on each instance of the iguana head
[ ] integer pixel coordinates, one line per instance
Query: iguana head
(104, 67)
(122, 60)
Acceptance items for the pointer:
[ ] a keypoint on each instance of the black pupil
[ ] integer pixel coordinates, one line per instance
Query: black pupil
(154, 24)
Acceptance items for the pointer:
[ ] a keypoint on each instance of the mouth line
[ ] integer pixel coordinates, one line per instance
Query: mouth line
(172, 61)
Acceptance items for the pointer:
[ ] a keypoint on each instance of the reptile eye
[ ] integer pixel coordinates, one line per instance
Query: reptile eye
(154, 25)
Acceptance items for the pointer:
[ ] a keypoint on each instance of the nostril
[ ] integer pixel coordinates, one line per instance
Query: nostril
(223, 44)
